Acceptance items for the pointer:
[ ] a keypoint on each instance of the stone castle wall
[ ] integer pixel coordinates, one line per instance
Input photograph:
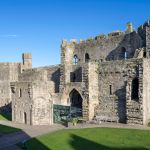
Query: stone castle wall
(8, 72)
(102, 70)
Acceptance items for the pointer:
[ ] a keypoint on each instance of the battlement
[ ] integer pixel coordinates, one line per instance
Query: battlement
(104, 37)
(99, 38)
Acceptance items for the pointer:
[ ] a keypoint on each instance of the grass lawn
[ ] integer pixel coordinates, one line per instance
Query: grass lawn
(6, 129)
(92, 139)
(5, 116)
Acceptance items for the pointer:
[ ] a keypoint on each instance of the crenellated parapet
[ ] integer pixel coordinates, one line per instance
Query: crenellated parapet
(98, 38)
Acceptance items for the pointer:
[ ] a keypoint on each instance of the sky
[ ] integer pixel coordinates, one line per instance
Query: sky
(39, 26)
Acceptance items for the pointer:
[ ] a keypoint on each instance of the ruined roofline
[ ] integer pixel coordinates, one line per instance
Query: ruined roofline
(44, 67)
(145, 24)
(111, 35)
(102, 37)
(9, 63)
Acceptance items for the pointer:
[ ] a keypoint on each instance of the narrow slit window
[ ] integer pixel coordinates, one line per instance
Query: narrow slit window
(20, 92)
(110, 89)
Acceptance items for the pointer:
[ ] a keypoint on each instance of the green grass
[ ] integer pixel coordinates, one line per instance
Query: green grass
(5, 129)
(5, 116)
(92, 139)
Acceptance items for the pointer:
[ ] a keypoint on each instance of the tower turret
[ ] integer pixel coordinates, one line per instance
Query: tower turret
(27, 60)
(129, 27)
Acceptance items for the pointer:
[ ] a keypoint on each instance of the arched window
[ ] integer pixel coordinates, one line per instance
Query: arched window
(87, 58)
(123, 53)
(75, 60)
(135, 89)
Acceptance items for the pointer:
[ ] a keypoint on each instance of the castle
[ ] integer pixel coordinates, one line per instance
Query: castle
(106, 77)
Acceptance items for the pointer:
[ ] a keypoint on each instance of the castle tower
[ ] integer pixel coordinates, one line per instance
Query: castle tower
(129, 27)
(27, 60)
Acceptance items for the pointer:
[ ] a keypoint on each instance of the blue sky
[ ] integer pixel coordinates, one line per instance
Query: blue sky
(38, 26)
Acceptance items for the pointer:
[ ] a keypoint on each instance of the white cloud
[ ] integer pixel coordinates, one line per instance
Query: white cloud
(9, 36)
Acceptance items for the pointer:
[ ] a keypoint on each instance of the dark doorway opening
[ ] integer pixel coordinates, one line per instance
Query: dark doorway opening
(123, 54)
(76, 102)
(135, 89)
(87, 57)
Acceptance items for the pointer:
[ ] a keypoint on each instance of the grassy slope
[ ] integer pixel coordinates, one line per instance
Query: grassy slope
(92, 139)
(6, 129)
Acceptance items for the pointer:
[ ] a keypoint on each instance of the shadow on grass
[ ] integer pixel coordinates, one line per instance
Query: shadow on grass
(6, 129)
(35, 144)
(79, 143)
(5, 112)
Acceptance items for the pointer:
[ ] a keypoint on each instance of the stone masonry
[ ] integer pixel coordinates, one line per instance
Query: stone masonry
(107, 77)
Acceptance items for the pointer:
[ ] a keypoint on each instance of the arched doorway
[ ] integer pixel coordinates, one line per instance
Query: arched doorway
(76, 103)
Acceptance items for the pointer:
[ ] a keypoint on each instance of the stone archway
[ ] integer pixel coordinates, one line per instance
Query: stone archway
(76, 102)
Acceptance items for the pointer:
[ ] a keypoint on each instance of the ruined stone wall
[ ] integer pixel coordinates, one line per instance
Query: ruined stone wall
(93, 88)
(22, 95)
(112, 93)
(108, 48)
(146, 91)
(82, 86)
(146, 78)
(85, 91)
(48, 73)
(76, 73)
(53, 73)
(8, 72)
(148, 40)
(33, 75)
(101, 48)
(134, 106)
(142, 31)
(32, 102)
(113, 97)
(42, 109)
(38, 94)
(4, 87)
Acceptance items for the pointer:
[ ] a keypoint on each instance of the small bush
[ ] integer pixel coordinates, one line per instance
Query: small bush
(74, 121)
